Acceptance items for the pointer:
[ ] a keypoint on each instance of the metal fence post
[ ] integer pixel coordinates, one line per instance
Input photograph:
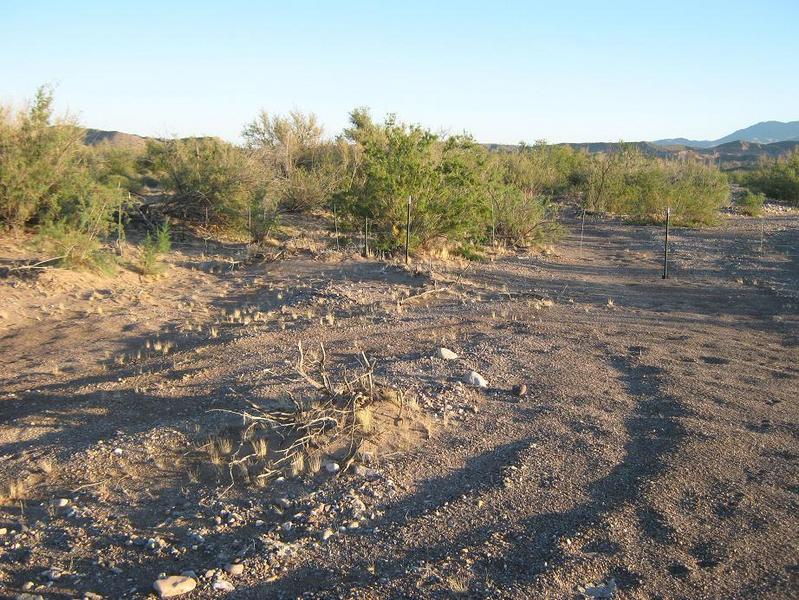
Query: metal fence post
(666, 246)
(408, 231)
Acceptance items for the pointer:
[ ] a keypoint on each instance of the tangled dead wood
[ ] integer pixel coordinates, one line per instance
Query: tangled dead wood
(336, 418)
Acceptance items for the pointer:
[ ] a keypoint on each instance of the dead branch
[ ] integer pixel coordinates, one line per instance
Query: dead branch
(446, 288)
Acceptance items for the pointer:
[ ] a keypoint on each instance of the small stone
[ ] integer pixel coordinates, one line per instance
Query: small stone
(91, 596)
(520, 389)
(447, 354)
(223, 586)
(332, 467)
(475, 379)
(176, 585)
(234, 569)
(287, 526)
(28, 597)
(3, 530)
(327, 534)
(118, 451)
(60, 502)
(28, 585)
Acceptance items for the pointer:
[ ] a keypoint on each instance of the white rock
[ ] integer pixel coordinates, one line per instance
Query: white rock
(60, 502)
(223, 586)
(332, 467)
(176, 585)
(474, 378)
(327, 534)
(118, 451)
(446, 354)
(234, 569)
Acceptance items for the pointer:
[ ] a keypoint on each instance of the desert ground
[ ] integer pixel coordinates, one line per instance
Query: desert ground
(653, 454)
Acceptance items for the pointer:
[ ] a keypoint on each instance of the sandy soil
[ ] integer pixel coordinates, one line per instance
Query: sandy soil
(654, 455)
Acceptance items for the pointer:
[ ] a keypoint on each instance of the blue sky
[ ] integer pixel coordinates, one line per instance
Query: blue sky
(503, 71)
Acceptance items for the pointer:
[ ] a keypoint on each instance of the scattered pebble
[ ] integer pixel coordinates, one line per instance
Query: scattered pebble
(475, 379)
(176, 585)
(447, 354)
(520, 389)
(234, 568)
(223, 586)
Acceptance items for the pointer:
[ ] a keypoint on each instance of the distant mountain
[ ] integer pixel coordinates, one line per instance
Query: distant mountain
(766, 132)
(94, 137)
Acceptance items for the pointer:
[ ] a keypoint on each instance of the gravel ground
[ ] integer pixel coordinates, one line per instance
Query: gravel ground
(653, 454)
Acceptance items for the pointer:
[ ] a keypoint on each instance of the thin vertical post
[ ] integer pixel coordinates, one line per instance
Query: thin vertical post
(582, 228)
(493, 226)
(408, 231)
(119, 220)
(335, 224)
(666, 246)
(366, 237)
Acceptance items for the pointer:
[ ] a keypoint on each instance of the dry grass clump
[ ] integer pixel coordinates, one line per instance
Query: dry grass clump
(18, 488)
(457, 585)
(347, 415)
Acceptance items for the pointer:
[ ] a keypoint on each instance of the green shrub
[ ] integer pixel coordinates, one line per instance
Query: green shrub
(46, 183)
(152, 248)
(398, 162)
(149, 255)
(778, 179)
(303, 169)
(751, 204)
(44, 173)
(212, 182)
(116, 167)
(641, 188)
(163, 239)
(520, 213)
(74, 248)
(548, 169)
